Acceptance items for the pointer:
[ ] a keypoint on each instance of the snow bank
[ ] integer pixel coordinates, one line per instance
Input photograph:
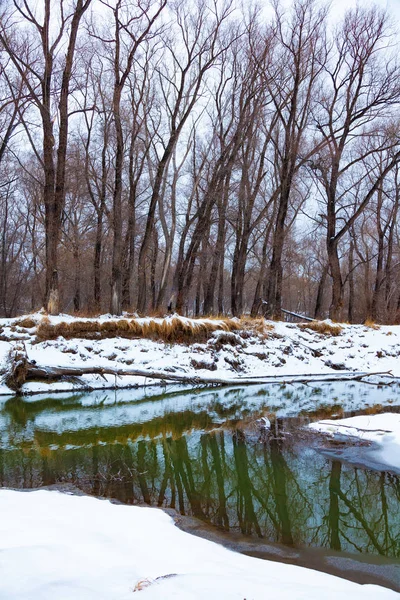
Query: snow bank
(58, 546)
(383, 429)
(281, 349)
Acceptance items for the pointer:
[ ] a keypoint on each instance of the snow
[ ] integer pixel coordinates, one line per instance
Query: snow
(282, 350)
(55, 545)
(265, 423)
(60, 546)
(382, 429)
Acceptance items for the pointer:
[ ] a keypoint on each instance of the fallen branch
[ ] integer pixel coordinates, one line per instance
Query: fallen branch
(35, 371)
(339, 426)
(21, 369)
(292, 314)
(296, 315)
(343, 376)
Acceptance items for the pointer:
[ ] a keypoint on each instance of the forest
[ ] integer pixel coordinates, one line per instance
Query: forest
(203, 157)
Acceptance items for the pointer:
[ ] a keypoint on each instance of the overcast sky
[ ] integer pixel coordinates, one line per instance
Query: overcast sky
(393, 6)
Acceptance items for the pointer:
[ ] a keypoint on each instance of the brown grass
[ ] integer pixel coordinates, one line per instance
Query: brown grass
(142, 584)
(26, 322)
(325, 412)
(371, 324)
(172, 330)
(376, 409)
(322, 327)
(257, 325)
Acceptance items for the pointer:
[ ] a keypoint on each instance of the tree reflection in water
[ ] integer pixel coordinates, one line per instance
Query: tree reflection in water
(269, 484)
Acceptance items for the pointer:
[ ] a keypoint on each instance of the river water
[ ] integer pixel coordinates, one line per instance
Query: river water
(205, 454)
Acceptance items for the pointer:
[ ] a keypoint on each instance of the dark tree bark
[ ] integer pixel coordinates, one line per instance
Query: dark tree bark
(351, 283)
(320, 293)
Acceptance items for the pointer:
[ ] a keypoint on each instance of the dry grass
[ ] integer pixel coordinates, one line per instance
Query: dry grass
(371, 324)
(376, 409)
(256, 325)
(142, 584)
(26, 322)
(325, 412)
(322, 327)
(171, 330)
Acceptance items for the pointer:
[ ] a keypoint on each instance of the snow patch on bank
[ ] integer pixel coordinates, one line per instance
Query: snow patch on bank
(60, 546)
(280, 349)
(383, 430)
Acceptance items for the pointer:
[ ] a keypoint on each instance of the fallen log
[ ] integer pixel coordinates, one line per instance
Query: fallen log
(20, 370)
(17, 367)
(292, 314)
(51, 373)
(297, 315)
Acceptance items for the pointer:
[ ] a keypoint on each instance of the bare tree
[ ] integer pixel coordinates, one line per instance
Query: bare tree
(361, 84)
(133, 23)
(200, 32)
(293, 82)
(34, 55)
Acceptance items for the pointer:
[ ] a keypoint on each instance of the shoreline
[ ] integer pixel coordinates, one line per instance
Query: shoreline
(359, 569)
(259, 352)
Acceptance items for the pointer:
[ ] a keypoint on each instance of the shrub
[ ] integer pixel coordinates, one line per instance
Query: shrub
(26, 323)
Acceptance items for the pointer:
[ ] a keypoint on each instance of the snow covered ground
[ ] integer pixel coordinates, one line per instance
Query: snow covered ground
(60, 546)
(282, 349)
(382, 429)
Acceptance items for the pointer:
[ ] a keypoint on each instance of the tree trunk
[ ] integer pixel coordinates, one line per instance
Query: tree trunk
(219, 251)
(97, 262)
(129, 246)
(153, 267)
(376, 304)
(221, 279)
(259, 293)
(56, 183)
(351, 283)
(320, 293)
(116, 269)
(144, 253)
(274, 297)
(77, 279)
(336, 307)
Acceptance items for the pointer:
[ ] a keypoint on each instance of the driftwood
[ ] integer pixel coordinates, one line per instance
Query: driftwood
(21, 369)
(51, 373)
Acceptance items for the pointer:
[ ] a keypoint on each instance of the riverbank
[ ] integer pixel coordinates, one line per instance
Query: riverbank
(68, 353)
(380, 431)
(60, 546)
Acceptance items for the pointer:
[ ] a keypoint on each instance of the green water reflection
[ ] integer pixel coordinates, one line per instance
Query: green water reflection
(204, 455)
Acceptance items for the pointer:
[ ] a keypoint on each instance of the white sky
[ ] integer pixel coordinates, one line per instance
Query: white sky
(338, 7)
